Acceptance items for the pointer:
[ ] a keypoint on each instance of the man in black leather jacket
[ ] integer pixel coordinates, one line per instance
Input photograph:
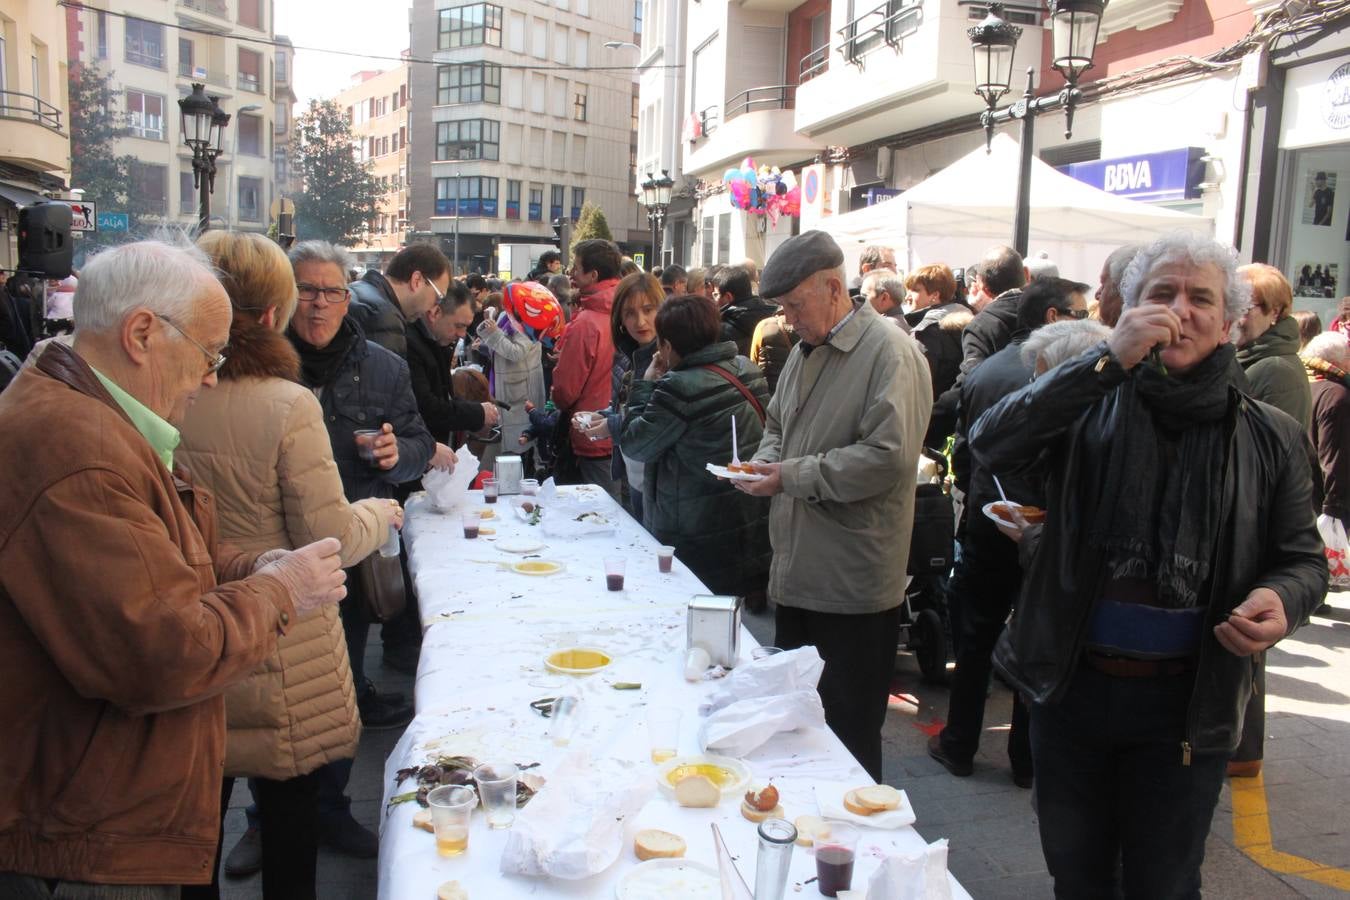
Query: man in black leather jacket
(1179, 541)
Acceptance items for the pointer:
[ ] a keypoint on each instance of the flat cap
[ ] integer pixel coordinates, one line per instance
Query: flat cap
(795, 259)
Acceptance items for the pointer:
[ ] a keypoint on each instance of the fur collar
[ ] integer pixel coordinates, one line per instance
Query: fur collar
(259, 352)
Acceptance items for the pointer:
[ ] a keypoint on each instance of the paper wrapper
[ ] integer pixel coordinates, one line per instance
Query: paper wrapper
(574, 827)
(777, 675)
(830, 799)
(447, 490)
(737, 729)
(561, 511)
(919, 876)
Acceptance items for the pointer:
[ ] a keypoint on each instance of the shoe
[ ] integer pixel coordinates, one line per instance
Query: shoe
(1247, 768)
(1023, 779)
(367, 689)
(380, 711)
(402, 658)
(348, 837)
(245, 858)
(956, 767)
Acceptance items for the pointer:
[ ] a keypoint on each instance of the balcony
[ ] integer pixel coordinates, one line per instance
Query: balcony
(757, 122)
(216, 8)
(249, 82)
(33, 134)
(201, 73)
(817, 62)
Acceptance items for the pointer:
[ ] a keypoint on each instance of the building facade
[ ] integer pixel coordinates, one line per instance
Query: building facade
(377, 107)
(153, 51)
(523, 117)
(662, 117)
(283, 117)
(34, 117)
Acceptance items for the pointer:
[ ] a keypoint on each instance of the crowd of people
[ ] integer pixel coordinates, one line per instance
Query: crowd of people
(189, 568)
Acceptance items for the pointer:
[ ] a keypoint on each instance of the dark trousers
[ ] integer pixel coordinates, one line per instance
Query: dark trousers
(1119, 813)
(597, 470)
(288, 816)
(859, 655)
(26, 887)
(984, 586)
(1252, 747)
(356, 624)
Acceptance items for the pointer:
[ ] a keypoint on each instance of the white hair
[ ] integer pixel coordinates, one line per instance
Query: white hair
(1061, 341)
(1329, 346)
(159, 276)
(1041, 266)
(887, 280)
(321, 252)
(1188, 246)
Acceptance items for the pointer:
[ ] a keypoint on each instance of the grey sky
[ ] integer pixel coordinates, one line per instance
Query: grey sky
(360, 26)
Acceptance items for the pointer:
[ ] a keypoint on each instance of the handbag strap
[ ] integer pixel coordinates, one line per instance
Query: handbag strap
(740, 386)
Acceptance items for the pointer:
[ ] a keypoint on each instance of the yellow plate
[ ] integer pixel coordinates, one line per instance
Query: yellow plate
(730, 775)
(578, 660)
(535, 567)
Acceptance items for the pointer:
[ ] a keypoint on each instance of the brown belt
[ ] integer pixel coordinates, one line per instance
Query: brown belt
(1124, 667)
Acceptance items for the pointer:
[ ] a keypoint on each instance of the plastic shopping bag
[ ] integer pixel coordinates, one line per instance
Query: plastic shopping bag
(1337, 549)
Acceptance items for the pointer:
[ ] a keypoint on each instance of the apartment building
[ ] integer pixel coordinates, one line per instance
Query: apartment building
(283, 117)
(516, 124)
(34, 122)
(154, 50)
(662, 117)
(376, 105)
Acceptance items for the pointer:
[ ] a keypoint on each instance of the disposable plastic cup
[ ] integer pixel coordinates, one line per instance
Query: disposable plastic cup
(497, 788)
(665, 558)
(451, 809)
(663, 732)
(614, 570)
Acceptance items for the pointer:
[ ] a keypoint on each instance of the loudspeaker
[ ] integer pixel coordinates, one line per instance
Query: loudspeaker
(45, 247)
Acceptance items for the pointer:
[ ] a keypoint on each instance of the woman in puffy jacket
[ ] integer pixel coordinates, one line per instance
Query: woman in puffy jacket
(529, 314)
(257, 441)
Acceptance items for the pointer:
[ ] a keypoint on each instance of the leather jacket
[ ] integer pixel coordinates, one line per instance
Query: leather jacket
(1266, 538)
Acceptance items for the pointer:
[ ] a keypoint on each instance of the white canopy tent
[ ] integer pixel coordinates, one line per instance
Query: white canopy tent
(958, 213)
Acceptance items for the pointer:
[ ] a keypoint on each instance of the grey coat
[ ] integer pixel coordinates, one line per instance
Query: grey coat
(517, 376)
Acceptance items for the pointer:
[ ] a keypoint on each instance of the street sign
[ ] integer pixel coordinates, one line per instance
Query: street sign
(641, 260)
(111, 221)
(83, 216)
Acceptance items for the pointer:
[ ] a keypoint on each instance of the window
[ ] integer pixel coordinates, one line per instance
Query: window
(151, 186)
(145, 43)
(187, 195)
(637, 16)
(560, 44)
(468, 139)
(555, 207)
(186, 57)
(281, 118)
(283, 72)
(582, 51)
(513, 199)
(578, 201)
(250, 13)
(250, 71)
(557, 103)
(37, 77)
(579, 103)
(250, 134)
(250, 199)
(707, 256)
(539, 39)
(470, 26)
(102, 23)
(724, 238)
(403, 137)
(579, 153)
(145, 115)
(476, 82)
(474, 196)
(536, 204)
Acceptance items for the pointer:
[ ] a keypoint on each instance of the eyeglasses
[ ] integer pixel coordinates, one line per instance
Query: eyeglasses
(440, 295)
(213, 360)
(1074, 313)
(336, 296)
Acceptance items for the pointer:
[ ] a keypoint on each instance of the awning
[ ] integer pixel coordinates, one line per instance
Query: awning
(19, 196)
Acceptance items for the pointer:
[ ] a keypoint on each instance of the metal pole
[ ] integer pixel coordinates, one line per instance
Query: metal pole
(1022, 219)
(656, 233)
(458, 186)
(202, 167)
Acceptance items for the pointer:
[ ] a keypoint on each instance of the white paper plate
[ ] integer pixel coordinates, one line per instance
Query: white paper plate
(735, 786)
(670, 879)
(724, 472)
(520, 545)
(988, 510)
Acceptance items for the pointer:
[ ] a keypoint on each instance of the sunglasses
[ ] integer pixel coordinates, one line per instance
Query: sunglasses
(1073, 313)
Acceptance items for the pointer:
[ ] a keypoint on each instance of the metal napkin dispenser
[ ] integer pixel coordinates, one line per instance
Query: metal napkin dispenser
(508, 470)
(715, 625)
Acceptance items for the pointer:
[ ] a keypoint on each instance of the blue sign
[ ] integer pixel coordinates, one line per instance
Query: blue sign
(1169, 175)
(109, 221)
(876, 195)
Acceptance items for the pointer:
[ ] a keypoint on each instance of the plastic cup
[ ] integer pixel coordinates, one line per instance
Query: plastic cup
(764, 652)
(497, 788)
(614, 569)
(471, 522)
(665, 558)
(451, 808)
(365, 443)
(489, 490)
(529, 487)
(834, 858)
(565, 716)
(663, 732)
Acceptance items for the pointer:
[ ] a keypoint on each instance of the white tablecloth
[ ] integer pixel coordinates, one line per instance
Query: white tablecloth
(487, 632)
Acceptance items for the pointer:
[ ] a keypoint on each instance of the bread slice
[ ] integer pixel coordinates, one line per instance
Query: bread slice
(757, 815)
(422, 820)
(452, 890)
(852, 804)
(810, 829)
(878, 797)
(652, 843)
(697, 791)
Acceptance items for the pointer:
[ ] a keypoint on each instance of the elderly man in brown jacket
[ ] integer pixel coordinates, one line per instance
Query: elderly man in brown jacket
(840, 450)
(121, 619)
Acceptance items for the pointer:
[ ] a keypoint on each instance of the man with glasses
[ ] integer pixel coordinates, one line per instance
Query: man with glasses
(386, 305)
(122, 620)
(988, 576)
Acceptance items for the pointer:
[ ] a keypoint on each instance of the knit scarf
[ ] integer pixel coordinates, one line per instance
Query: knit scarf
(319, 365)
(1158, 511)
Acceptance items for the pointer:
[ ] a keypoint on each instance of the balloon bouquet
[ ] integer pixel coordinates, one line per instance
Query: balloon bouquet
(764, 191)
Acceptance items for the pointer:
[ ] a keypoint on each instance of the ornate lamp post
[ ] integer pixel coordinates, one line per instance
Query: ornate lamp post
(203, 124)
(656, 197)
(1074, 25)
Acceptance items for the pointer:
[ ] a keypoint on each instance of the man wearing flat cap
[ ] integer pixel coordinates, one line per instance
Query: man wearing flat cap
(839, 451)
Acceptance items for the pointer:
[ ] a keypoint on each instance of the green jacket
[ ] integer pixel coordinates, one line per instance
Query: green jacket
(1276, 373)
(675, 426)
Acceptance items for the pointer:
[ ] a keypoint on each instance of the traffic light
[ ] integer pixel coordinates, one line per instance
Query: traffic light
(45, 248)
(562, 234)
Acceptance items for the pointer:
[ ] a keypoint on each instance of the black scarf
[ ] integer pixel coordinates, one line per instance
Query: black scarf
(1159, 508)
(319, 365)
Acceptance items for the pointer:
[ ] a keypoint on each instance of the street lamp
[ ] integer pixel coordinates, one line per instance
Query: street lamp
(656, 197)
(1074, 27)
(198, 111)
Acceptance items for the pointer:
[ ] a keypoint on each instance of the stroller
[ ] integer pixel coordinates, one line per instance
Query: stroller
(924, 627)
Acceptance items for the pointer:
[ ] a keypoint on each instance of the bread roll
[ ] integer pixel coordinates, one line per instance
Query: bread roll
(422, 820)
(697, 791)
(852, 805)
(878, 797)
(451, 890)
(652, 843)
(759, 815)
(810, 829)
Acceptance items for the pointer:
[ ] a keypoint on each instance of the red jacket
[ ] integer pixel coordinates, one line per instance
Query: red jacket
(581, 380)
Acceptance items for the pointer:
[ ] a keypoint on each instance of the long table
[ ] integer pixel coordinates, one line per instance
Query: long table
(487, 632)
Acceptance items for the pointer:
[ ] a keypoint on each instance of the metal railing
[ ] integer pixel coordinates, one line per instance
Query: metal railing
(218, 8)
(776, 96)
(198, 73)
(250, 83)
(817, 62)
(888, 23)
(16, 105)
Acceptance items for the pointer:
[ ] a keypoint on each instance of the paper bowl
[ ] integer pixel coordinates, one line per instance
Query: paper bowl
(578, 660)
(730, 775)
